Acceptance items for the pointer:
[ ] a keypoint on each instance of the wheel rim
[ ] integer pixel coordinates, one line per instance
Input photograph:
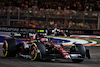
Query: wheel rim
(5, 48)
(33, 53)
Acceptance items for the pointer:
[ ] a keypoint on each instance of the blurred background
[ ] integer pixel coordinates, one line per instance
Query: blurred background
(64, 14)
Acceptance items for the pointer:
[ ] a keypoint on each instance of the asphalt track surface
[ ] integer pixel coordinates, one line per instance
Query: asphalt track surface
(20, 62)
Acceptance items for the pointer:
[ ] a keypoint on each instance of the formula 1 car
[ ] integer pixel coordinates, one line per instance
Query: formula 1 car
(43, 48)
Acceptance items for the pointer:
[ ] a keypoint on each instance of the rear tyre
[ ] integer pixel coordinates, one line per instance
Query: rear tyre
(10, 48)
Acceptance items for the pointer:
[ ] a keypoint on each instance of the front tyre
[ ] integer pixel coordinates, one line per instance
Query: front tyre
(81, 50)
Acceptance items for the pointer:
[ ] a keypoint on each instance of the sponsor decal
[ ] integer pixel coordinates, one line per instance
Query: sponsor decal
(16, 29)
(62, 50)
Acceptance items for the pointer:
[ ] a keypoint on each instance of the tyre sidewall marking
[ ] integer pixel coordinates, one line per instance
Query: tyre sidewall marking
(6, 44)
(35, 55)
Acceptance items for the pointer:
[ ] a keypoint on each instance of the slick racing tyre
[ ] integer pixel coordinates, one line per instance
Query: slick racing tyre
(37, 50)
(42, 51)
(81, 50)
(10, 48)
(42, 48)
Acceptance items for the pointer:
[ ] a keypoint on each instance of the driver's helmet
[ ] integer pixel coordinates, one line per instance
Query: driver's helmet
(44, 40)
